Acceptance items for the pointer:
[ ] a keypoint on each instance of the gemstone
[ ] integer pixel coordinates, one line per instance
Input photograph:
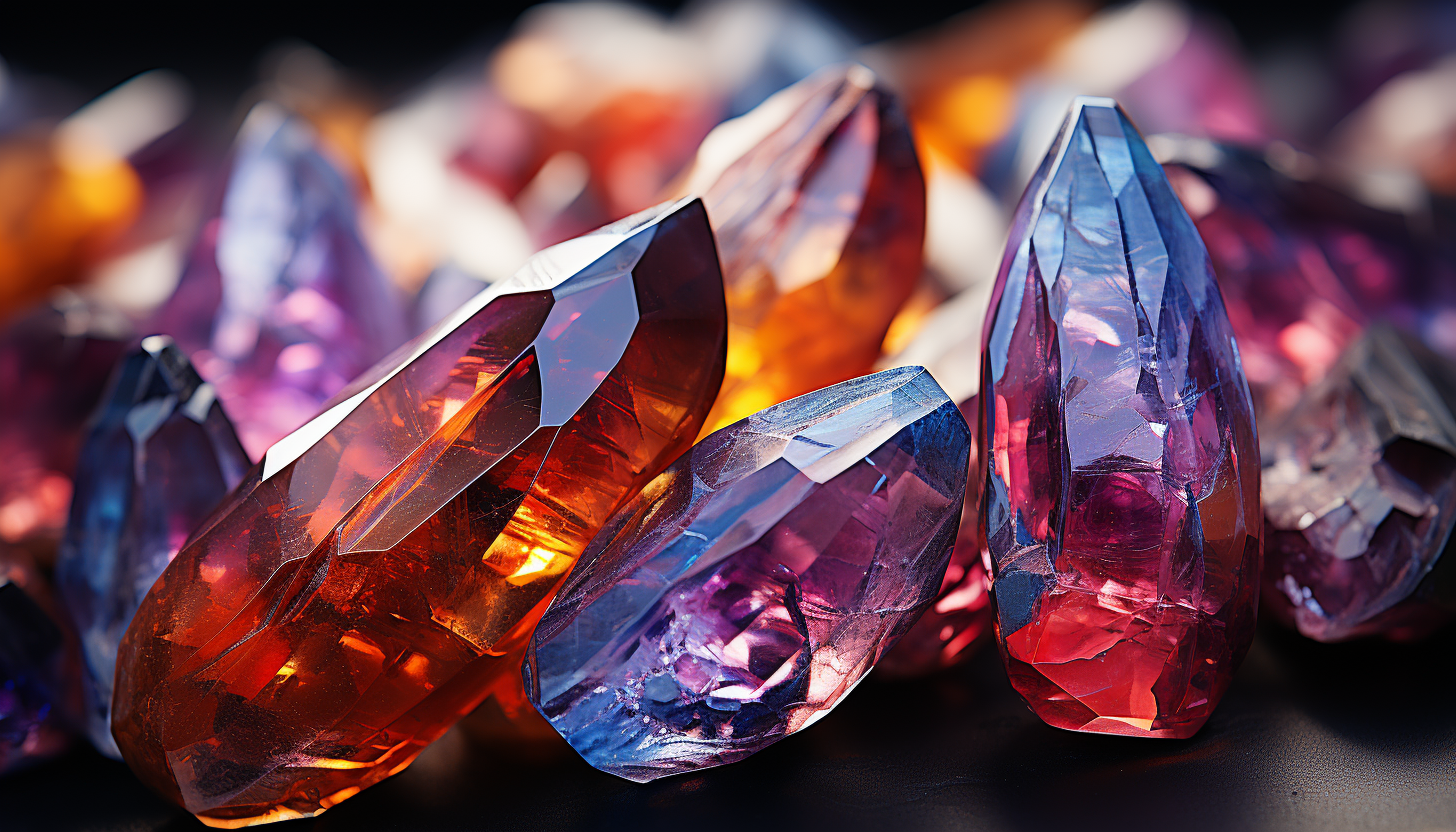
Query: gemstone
(380, 569)
(33, 666)
(54, 362)
(280, 304)
(160, 455)
(748, 588)
(820, 223)
(1120, 500)
(1360, 494)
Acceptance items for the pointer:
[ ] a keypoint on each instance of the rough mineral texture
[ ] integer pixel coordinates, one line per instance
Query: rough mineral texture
(756, 581)
(384, 566)
(1121, 474)
(1360, 494)
(280, 304)
(160, 455)
(821, 225)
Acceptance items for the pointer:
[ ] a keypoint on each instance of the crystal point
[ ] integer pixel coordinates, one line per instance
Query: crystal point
(755, 582)
(383, 566)
(160, 455)
(1120, 500)
(1360, 494)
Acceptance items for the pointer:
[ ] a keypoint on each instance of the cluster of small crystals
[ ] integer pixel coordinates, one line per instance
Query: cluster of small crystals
(1120, 502)
(280, 304)
(755, 582)
(160, 455)
(384, 565)
(1360, 494)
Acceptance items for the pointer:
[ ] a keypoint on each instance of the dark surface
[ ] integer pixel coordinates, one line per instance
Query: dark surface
(1310, 737)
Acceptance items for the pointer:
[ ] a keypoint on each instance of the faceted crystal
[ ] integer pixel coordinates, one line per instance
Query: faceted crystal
(1121, 495)
(383, 567)
(753, 584)
(280, 304)
(1360, 494)
(34, 672)
(160, 456)
(820, 222)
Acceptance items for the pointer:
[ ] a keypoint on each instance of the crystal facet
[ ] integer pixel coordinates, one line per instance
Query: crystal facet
(753, 584)
(1121, 495)
(1360, 494)
(160, 456)
(821, 224)
(34, 674)
(280, 304)
(383, 566)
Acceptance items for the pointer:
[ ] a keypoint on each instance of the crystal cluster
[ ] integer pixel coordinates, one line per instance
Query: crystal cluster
(160, 455)
(281, 305)
(1360, 494)
(1120, 499)
(756, 581)
(34, 668)
(384, 565)
(821, 225)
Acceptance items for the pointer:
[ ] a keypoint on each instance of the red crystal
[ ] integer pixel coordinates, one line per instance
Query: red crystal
(383, 566)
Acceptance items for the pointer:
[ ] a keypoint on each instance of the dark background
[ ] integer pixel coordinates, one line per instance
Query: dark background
(1310, 737)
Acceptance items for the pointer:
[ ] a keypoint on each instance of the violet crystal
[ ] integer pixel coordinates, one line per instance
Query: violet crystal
(159, 457)
(1121, 474)
(35, 669)
(754, 583)
(280, 304)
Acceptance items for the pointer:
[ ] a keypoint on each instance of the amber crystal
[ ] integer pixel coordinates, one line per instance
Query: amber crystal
(821, 223)
(383, 566)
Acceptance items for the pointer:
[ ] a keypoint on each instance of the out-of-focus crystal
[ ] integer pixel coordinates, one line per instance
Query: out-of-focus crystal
(34, 674)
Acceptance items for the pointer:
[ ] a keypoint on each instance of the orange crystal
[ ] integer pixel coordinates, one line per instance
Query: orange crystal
(821, 224)
(381, 569)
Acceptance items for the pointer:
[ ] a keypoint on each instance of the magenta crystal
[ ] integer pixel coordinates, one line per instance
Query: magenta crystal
(1360, 494)
(754, 583)
(280, 304)
(1121, 474)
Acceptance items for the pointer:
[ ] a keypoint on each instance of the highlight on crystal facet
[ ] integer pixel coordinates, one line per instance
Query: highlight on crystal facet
(1120, 501)
(818, 202)
(754, 583)
(383, 566)
(159, 456)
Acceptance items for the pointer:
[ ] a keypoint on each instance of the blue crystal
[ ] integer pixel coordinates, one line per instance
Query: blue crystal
(159, 457)
(749, 587)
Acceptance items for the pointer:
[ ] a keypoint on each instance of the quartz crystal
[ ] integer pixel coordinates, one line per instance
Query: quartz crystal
(1121, 495)
(34, 672)
(1360, 494)
(821, 224)
(280, 304)
(159, 457)
(755, 582)
(383, 566)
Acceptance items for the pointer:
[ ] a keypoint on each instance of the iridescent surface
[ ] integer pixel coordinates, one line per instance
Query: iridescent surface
(159, 457)
(280, 304)
(382, 568)
(1360, 494)
(1121, 493)
(821, 224)
(753, 584)
(33, 671)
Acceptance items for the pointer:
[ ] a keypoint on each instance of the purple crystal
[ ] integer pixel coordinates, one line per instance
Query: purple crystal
(755, 582)
(160, 455)
(280, 304)
(1360, 494)
(33, 666)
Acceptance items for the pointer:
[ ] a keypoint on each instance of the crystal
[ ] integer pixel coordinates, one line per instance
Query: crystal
(820, 223)
(748, 589)
(33, 666)
(1360, 494)
(1120, 504)
(381, 568)
(53, 367)
(280, 304)
(160, 455)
